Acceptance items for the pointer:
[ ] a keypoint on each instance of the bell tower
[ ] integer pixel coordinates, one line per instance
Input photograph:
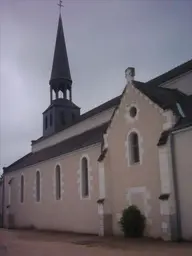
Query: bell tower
(62, 111)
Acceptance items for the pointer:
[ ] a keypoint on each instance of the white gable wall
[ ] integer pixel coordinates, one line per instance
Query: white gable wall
(182, 83)
(76, 129)
(182, 148)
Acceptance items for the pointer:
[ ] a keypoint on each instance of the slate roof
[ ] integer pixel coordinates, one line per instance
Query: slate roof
(181, 124)
(85, 139)
(60, 68)
(165, 98)
(171, 74)
(63, 103)
(163, 138)
(105, 106)
(102, 155)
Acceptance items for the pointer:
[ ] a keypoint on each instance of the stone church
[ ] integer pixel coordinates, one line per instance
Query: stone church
(86, 168)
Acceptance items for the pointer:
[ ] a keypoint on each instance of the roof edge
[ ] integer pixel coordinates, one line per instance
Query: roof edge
(171, 74)
(83, 117)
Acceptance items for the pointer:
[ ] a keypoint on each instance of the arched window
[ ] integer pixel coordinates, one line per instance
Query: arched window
(58, 182)
(22, 189)
(134, 148)
(60, 94)
(38, 186)
(84, 177)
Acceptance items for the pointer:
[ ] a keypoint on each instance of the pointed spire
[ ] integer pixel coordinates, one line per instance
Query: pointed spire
(60, 70)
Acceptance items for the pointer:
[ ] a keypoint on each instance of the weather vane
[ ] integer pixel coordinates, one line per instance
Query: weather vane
(60, 5)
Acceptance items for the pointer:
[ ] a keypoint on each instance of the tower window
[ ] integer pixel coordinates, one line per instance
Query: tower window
(67, 93)
(84, 177)
(46, 122)
(60, 94)
(73, 117)
(63, 122)
(51, 119)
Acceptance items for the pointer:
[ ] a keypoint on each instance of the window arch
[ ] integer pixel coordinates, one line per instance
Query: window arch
(38, 186)
(58, 182)
(84, 177)
(134, 153)
(22, 189)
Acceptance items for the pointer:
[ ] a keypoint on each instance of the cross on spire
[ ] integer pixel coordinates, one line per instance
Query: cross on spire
(60, 5)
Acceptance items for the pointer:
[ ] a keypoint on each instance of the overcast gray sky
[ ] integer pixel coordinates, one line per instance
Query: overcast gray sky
(103, 38)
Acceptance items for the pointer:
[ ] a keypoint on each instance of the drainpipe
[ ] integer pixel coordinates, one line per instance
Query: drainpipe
(175, 185)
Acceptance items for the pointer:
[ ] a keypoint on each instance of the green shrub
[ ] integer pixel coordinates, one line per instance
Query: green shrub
(132, 222)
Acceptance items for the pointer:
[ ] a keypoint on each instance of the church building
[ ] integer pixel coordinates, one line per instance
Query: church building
(86, 168)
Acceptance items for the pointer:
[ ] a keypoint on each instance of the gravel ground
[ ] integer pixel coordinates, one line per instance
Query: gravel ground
(33, 243)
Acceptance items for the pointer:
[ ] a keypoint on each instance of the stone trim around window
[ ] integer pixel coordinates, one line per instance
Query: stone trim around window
(35, 186)
(90, 177)
(127, 115)
(127, 148)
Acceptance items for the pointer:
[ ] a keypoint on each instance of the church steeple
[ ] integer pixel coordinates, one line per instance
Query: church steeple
(62, 111)
(60, 76)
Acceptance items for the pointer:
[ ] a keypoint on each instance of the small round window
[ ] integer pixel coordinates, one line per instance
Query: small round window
(133, 112)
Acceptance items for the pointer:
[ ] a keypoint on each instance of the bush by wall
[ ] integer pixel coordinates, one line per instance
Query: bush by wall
(132, 222)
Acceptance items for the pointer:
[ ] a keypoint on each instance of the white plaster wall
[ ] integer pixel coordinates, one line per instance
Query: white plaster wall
(70, 213)
(145, 177)
(170, 119)
(182, 83)
(145, 196)
(165, 168)
(76, 129)
(183, 159)
(101, 180)
(164, 165)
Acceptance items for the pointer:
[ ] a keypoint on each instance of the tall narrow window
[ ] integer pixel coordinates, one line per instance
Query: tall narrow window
(38, 186)
(73, 117)
(60, 94)
(62, 114)
(22, 189)
(58, 182)
(134, 148)
(85, 177)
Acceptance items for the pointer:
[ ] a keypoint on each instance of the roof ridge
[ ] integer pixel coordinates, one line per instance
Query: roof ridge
(84, 139)
(171, 74)
(94, 111)
(76, 135)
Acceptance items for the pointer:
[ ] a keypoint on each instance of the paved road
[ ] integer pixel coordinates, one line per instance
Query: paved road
(3, 250)
(25, 243)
